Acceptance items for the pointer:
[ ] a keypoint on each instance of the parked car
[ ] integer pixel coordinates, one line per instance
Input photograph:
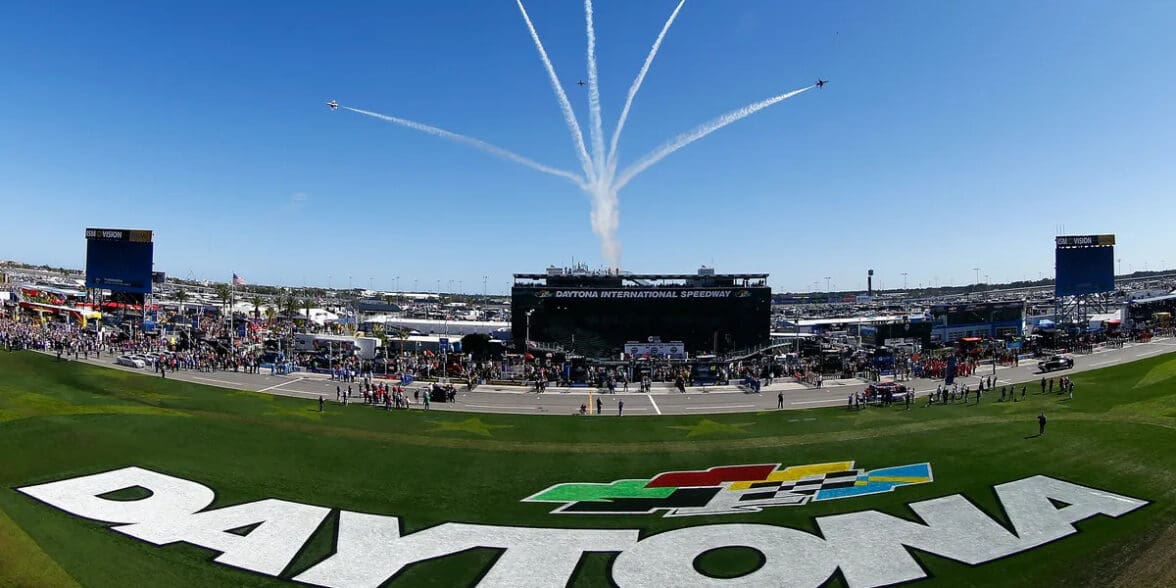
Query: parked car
(130, 361)
(1056, 362)
(878, 391)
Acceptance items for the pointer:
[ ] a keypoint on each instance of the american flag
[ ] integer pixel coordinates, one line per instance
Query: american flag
(238, 280)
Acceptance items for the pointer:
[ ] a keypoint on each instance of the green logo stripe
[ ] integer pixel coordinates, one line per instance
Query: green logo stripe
(578, 492)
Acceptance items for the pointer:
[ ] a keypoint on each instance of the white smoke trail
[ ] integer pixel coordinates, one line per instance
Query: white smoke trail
(564, 105)
(476, 143)
(606, 219)
(697, 133)
(605, 214)
(616, 137)
(595, 125)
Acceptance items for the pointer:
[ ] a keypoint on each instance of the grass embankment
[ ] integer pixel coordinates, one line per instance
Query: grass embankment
(59, 420)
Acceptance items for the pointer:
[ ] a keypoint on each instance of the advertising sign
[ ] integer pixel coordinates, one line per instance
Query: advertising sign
(672, 350)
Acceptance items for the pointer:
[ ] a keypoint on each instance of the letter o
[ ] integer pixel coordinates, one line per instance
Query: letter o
(792, 557)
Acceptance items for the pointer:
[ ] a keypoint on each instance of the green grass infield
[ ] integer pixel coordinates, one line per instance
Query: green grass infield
(62, 420)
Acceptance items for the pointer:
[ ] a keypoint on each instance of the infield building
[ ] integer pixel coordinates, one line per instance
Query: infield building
(605, 314)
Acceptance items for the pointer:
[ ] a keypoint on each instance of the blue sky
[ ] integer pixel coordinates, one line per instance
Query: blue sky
(952, 136)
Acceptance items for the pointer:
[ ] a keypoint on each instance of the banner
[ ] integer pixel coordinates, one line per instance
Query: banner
(644, 294)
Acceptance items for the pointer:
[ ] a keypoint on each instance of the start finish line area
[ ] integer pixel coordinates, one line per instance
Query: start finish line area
(662, 400)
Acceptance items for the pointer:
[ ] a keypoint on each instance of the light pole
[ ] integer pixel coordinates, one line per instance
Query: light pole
(827, 278)
(484, 278)
(904, 280)
(1120, 260)
(977, 270)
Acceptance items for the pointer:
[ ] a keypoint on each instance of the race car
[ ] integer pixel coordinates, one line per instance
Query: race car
(1056, 362)
(130, 361)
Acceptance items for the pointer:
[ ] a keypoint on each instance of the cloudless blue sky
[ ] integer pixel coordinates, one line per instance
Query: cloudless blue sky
(952, 135)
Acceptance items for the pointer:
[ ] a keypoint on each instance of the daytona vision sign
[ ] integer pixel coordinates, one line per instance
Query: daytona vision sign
(868, 547)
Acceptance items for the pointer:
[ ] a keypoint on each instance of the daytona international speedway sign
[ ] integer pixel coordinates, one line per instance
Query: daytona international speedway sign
(868, 547)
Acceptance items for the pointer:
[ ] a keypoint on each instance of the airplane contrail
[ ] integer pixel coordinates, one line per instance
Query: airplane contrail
(697, 133)
(616, 137)
(599, 180)
(564, 105)
(472, 142)
(595, 124)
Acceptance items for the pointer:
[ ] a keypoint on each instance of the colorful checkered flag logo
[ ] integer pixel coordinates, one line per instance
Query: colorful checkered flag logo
(731, 489)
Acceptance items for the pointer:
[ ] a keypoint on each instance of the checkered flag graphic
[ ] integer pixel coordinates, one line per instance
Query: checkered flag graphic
(806, 486)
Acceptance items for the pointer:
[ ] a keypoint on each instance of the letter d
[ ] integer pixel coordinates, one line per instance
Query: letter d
(82, 496)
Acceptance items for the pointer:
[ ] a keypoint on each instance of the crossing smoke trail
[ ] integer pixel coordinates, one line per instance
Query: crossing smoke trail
(472, 142)
(564, 105)
(616, 137)
(699, 132)
(599, 180)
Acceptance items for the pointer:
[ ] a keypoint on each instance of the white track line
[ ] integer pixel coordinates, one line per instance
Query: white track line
(650, 397)
(719, 406)
(280, 385)
(226, 382)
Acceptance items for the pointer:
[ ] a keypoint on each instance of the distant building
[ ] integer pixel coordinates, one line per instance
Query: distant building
(992, 320)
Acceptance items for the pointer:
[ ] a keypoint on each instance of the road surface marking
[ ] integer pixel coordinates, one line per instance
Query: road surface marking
(817, 401)
(650, 397)
(719, 406)
(235, 384)
(508, 406)
(280, 385)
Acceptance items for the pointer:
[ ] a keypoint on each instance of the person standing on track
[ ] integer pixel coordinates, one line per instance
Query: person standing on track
(780, 400)
(620, 407)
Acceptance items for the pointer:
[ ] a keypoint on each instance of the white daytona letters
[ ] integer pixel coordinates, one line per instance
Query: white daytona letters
(870, 548)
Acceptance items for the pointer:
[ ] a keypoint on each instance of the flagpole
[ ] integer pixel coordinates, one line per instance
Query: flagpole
(232, 330)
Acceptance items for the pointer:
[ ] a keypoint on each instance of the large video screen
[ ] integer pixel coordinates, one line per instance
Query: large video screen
(122, 266)
(1085, 270)
(598, 322)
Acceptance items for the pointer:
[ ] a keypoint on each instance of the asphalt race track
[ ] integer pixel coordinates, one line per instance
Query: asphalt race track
(663, 399)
